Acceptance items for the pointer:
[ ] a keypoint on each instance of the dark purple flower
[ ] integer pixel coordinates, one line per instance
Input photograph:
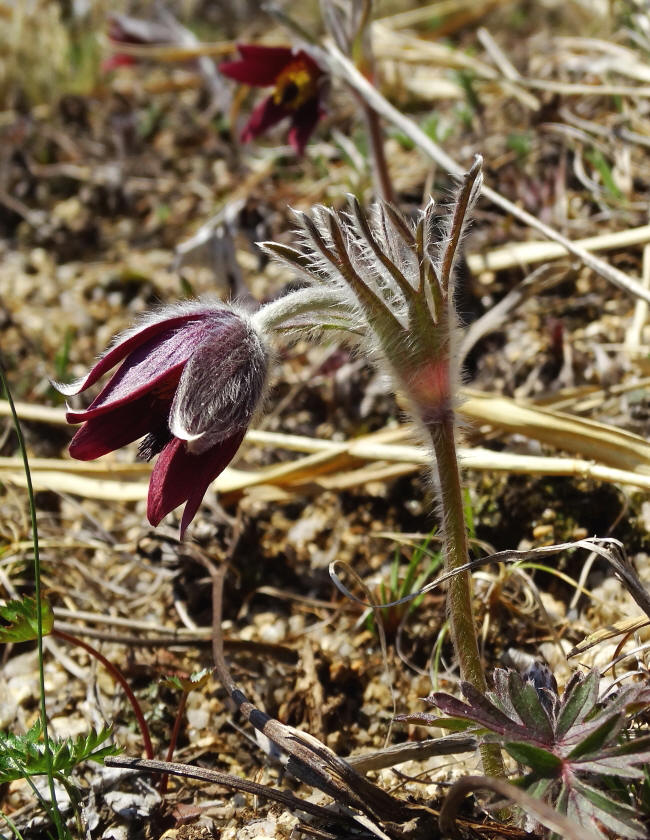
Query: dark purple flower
(125, 30)
(191, 378)
(297, 83)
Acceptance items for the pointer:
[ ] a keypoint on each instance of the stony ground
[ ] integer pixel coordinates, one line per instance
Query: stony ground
(104, 180)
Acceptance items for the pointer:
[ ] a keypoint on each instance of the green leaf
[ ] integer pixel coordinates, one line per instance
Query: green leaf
(528, 706)
(535, 787)
(609, 767)
(20, 623)
(22, 756)
(597, 739)
(635, 750)
(196, 680)
(591, 803)
(543, 763)
(578, 700)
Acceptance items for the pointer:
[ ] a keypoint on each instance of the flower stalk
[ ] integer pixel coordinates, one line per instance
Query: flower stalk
(393, 282)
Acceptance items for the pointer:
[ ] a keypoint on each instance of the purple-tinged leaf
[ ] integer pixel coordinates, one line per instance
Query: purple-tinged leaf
(609, 767)
(579, 699)
(598, 737)
(500, 722)
(481, 711)
(587, 804)
(501, 694)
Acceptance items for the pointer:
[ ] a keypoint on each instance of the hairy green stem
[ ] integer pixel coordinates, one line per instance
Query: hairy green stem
(459, 597)
(54, 810)
(294, 304)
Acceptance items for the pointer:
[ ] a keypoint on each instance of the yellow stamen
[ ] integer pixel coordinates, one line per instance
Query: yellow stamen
(295, 85)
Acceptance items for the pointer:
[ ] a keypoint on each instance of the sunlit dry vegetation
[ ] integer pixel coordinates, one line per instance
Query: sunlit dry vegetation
(302, 614)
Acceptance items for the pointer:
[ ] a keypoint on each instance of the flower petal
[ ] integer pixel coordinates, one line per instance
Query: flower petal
(265, 116)
(166, 318)
(115, 429)
(303, 123)
(220, 387)
(180, 476)
(258, 66)
(155, 365)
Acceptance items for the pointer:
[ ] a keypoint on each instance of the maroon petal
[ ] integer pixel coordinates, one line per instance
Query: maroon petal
(266, 115)
(258, 66)
(117, 60)
(180, 476)
(154, 365)
(134, 338)
(118, 427)
(303, 123)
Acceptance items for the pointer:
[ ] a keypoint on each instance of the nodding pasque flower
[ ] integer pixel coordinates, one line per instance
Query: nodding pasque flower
(191, 378)
(393, 283)
(126, 30)
(297, 83)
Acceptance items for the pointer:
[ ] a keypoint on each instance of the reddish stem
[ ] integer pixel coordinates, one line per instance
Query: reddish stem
(174, 738)
(120, 678)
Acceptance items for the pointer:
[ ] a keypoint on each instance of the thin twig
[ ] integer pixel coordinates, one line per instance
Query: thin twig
(204, 774)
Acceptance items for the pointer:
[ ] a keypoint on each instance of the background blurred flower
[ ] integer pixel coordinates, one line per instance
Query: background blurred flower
(297, 90)
(191, 378)
(129, 31)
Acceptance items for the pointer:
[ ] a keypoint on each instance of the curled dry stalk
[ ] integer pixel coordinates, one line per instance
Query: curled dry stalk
(533, 806)
(309, 760)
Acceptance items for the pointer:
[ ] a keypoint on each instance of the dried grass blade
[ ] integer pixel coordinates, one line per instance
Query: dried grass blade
(528, 253)
(603, 443)
(603, 634)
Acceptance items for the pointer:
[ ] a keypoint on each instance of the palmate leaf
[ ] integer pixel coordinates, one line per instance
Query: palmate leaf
(24, 755)
(482, 711)
(20, 622)
(573, 744)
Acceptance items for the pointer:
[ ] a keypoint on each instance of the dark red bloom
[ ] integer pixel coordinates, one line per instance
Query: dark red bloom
(126, 30)
(191, 378)
(297, 83)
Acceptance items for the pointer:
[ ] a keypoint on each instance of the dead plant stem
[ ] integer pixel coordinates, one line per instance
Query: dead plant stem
(383, 182)
(340, 66)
